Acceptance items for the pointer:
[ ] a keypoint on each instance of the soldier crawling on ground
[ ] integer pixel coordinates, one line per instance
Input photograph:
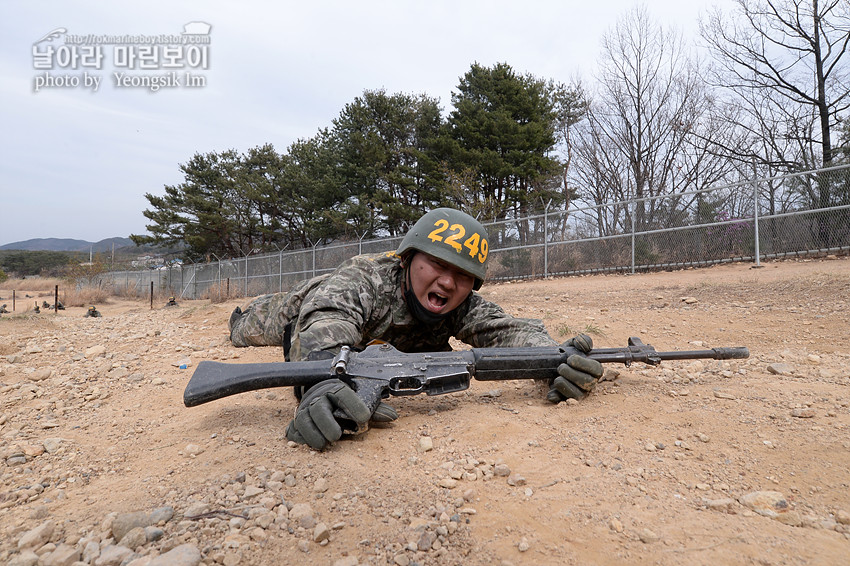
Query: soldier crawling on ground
(3, 309)
(171, 302)
(92, 312)
(415, 298)
(48, 306)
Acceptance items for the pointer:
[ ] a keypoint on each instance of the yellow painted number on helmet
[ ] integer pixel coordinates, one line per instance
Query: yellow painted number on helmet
(474, 243)
(459, 232)
(482, 257)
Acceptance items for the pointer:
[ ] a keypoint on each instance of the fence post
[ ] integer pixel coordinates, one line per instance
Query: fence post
(756, 217)
(634, 213)
(246, 273)
(546, 242)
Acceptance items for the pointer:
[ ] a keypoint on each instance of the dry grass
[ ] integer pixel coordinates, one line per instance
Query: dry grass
(36, 290)
(86, 297)
(32, 285)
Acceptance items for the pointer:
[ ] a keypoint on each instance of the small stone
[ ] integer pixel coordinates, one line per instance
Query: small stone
(37, 537)
(193, 450)
(501, 470)
(62, 555)
(134, 538)
(516, 480)
(183, 555)
(321, 533)
(125, 522)
(426, 444)
(767, 503)
(615, 525)
(24, 558)
(252, 491)
(780, 368)
(646, 536)
(523, 545)
(52, 445)
(806, 413)
(94, 352)
(41, 374)
(113, 554)
(302, 514)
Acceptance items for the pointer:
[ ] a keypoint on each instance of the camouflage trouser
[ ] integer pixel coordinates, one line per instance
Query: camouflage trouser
(262, 322)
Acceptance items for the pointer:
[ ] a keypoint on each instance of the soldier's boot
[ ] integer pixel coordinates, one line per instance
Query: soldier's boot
(234, 316)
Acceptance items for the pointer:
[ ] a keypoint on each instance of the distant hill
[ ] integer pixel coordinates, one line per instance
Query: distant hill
(69, 245)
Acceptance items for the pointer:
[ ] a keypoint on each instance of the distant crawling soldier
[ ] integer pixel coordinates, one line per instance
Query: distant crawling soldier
(3, 309)
(171, 302)
(93, 312)
(45, 305)
(37, 310)
(60, 306)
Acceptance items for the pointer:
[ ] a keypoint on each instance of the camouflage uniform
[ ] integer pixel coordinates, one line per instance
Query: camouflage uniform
(363, 301)
(92, 312)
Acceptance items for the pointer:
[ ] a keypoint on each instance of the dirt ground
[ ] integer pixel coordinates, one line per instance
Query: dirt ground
(692, 462)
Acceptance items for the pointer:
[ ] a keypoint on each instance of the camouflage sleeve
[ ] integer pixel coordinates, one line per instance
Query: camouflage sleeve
(486, 325)
(335, 313)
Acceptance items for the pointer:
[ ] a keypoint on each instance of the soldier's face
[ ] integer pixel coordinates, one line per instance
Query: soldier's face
(439, 286)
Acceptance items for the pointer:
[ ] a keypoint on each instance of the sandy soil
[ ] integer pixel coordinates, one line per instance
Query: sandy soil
(735, 462)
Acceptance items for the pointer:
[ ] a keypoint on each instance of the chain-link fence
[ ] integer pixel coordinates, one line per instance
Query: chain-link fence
(791, 215)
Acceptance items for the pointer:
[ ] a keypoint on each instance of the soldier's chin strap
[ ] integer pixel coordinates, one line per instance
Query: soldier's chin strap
(419, 312)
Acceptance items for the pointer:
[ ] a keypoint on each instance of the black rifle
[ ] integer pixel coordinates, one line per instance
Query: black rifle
(380, 370)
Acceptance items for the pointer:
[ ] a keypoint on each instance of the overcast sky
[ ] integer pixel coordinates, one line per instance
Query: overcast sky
(76, 163)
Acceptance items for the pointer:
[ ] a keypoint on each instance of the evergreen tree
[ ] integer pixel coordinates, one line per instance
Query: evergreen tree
(503, 128)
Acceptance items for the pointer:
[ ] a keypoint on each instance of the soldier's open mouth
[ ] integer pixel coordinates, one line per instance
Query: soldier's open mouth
(436, 301)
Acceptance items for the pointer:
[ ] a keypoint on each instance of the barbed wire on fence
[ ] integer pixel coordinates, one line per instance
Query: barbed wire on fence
(766, 218)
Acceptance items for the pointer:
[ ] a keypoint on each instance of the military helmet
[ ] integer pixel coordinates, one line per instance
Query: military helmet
(452, 236)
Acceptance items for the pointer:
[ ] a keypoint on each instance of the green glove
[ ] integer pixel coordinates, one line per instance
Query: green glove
(328, 409)
(576, 378)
